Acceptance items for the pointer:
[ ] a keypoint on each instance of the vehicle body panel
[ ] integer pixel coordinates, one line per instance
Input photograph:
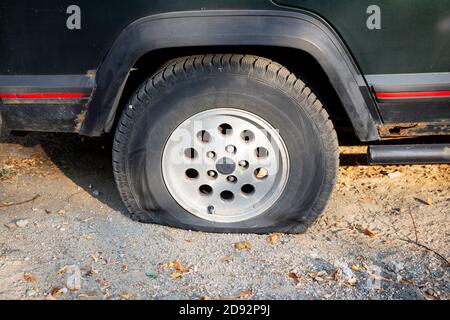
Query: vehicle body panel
(414, 35)
(409, 29)
(35, 44)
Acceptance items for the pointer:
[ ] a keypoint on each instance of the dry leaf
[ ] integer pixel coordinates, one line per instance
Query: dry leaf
(335, 275)
(185, 270)
(243, 245)
(369, 233)
(177, 266)
(103, 284)
(125, 296)
(125, 267)
(92, 271)
(50, 297)
(244, 294)
(429, 201)
(227, 259)
(294, 277)
(176, 275)
(356, 267)
(273, 238)
(61, 271)
(352, 282)
(87, 237)
(29, 277)
(56, 292)
(317, 276)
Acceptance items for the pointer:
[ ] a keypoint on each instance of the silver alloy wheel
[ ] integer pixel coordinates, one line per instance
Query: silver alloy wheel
(225, 165)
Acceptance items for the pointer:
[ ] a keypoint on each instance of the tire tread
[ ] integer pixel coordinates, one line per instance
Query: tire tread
(264, 69)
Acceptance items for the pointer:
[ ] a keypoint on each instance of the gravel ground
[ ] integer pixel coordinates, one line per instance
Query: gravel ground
(380, 237)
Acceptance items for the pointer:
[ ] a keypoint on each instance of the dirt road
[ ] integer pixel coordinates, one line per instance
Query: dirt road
(385, 235)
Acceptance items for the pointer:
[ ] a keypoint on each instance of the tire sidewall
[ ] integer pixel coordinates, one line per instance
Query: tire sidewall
(182, 99)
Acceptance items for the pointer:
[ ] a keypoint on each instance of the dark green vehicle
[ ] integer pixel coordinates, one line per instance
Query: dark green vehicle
(226, 113)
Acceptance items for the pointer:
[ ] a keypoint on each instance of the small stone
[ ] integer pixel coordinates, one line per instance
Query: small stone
(430, 292)
(31, 293)
(22, 223)
(345, 272)
(96, 193)
(151, 275)
(395, 175)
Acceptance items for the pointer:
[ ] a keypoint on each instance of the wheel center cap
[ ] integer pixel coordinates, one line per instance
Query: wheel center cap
(225, 165)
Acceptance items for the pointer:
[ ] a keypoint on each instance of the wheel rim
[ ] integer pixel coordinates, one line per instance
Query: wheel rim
(225, 165)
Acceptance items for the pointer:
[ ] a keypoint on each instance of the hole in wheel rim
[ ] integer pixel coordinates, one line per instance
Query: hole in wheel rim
(261, 173)
(227, 195)
(205, 190)
(261, 152)
(225, 129)
(248, 189)
(248, 136)
(190, 153)
(204, 136)
(192, 173)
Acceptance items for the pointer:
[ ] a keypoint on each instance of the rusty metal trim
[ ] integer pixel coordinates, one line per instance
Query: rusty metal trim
(411, 130)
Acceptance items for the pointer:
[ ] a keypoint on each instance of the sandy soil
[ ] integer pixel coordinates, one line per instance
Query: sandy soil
(385, 235)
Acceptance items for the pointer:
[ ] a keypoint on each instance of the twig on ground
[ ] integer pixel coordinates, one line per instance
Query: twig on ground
(428, 249)
(414, 225)
(73, 195)
(417, 243)
(20, 203)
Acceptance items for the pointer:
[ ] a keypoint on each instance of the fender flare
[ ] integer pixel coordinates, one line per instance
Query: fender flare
(296, 30)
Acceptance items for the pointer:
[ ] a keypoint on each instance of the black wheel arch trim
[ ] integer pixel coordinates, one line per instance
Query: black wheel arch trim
(297, 30)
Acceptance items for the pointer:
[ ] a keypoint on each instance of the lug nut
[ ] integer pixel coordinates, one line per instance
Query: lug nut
(230, 149)
(212, 173)
(243, 164)
(211, 154)
(232, 179)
